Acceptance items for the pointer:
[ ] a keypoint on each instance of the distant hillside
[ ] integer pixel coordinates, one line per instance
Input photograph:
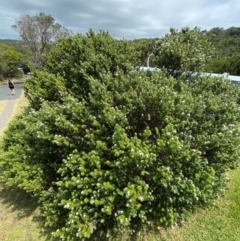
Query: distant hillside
(15, 43)
(227, 40)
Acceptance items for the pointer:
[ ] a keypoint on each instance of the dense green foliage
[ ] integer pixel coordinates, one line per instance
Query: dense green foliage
(92, 56)
(225, 64)
(182, 51)
(14, 43)
(18, 47)
(226, 40)
(107, 148)
(10, 60)
(227, 43)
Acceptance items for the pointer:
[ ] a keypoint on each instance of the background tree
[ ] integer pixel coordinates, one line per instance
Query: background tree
(227, 44)
(227, 41)
(37, 33)
(225, 64)
(183, 51)
(19, 46)
(10, 61)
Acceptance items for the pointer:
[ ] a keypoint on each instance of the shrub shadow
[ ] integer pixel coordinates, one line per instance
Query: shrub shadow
(24, 205)
(18, 200)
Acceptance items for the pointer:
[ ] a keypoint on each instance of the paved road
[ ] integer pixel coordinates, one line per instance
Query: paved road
(5, 95)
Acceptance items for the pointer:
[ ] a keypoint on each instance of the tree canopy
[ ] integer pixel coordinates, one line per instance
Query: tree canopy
(37, 33)
(10, 60)
(227, 43)
(184, 50)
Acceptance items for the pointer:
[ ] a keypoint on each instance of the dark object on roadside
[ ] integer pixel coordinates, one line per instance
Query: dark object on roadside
(11, 86)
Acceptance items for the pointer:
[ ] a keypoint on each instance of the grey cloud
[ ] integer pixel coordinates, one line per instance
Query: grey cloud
(124, 18)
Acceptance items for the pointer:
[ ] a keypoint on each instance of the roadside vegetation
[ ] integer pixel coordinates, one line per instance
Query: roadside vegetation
(21, 219)
(98, 150)
(2, 106)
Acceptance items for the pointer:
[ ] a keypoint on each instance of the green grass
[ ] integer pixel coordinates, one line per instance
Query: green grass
(19, 218)
(2, 106)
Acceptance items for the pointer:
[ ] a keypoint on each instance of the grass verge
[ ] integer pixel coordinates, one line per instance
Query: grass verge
(19, 216)
(2, 106)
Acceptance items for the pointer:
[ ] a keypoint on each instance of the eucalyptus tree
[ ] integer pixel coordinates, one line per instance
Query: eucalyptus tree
(37, 33)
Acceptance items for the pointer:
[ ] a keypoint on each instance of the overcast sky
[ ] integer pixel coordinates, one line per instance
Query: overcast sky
(129, 19)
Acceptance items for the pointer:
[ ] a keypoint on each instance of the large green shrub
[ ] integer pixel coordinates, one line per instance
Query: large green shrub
(76, 58)
(132, 149)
